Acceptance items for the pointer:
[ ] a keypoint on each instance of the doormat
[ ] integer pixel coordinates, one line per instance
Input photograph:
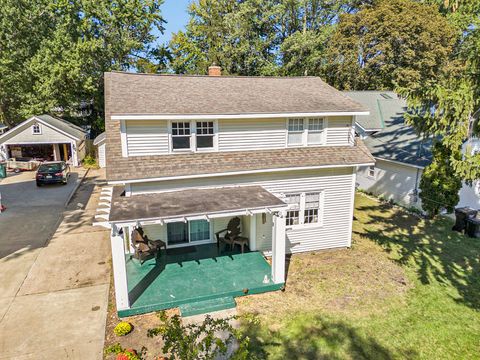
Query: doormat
(182, 250)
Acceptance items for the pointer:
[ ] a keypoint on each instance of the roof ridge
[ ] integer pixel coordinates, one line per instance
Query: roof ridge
(217, 77)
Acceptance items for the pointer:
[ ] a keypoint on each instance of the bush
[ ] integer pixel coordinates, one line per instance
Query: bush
(122, 328)
(123, 354)
(200, 341)
(89, 162)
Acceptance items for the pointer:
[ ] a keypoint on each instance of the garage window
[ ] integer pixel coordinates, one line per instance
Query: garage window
(36, 129)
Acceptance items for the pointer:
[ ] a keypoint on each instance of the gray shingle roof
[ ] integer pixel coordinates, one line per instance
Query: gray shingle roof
(68, 127)
(164, 166)
(130, 93)
(396, 140)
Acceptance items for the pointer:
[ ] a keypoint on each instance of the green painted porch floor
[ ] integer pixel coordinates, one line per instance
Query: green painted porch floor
(197, 279)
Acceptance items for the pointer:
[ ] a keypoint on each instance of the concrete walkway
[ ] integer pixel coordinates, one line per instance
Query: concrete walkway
(58, 310)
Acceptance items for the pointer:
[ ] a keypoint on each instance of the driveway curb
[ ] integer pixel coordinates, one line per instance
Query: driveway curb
(79, 182)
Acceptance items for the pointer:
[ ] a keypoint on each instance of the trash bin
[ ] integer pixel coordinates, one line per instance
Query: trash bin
(461, 216)
(473, 228)
(3, 171)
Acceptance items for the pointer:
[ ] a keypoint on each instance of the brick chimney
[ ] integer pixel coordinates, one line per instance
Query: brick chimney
(214, 70)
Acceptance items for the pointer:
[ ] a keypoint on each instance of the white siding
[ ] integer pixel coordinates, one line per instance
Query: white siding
(248, 134)
(336, 184)
(48, 135)
(101, 155)
(340, 131)
(392, 181)
(147, 137)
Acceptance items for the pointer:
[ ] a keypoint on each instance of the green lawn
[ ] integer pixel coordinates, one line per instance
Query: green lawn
(408, 288)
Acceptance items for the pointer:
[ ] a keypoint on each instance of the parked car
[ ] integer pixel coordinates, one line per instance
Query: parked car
(53, 172)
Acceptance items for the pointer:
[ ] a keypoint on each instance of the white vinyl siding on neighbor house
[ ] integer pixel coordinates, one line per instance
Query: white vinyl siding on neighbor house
(393, 181)
(25, 135)
(335, 185)
(148, 137)
(101, 155)
(153, 137)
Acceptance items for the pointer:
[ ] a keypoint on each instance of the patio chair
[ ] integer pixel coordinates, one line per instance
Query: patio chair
(229, 234)
(144, 247)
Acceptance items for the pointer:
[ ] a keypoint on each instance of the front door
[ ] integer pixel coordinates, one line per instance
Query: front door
(195, 231)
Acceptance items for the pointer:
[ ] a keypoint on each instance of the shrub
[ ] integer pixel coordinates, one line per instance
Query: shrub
(202, 341)
(89, 162)
(122, 328)
(123, 354)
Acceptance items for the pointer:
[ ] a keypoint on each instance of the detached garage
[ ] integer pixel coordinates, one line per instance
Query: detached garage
(44, 138)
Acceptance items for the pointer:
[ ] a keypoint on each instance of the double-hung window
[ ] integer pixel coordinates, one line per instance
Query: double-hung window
(295, 131)
(193, 135)
(304, 209)
(371, 171)
(205, 134)
(181, 135)
(305, 131)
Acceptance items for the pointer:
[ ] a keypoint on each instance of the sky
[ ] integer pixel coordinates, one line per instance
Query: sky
(175, 13)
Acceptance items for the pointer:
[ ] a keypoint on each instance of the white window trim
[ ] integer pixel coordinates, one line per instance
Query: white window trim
(369, 175)
(304, 143)
(193, 138)
(301, 210)
(39, 129)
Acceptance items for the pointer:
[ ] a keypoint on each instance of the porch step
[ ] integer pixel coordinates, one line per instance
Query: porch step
(206, 306)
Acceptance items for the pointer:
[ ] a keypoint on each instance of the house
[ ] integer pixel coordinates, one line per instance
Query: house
(187, 154)
(99, 142)
(400, 154)
(44, 137)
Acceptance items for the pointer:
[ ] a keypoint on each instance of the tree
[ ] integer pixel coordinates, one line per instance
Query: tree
(439, 185)
(389, 44)
(445, 106)
(53, 53)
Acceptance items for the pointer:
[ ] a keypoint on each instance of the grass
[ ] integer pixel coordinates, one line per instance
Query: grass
(408, 288)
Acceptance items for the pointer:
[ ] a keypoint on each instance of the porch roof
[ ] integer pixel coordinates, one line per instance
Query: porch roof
(191, 204)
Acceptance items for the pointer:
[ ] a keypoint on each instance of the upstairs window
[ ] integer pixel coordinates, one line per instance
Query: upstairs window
(303, 132)
(305, 209)
(181, 135)
(36, 129)
(315, 131)
(205, 134)
(371, 171)
(295, 131)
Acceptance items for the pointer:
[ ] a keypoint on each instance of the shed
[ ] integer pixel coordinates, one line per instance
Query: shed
(100, 143)
(44, 137)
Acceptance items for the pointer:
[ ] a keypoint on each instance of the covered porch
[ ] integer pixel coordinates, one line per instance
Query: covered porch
(195, 279)
(195, 273)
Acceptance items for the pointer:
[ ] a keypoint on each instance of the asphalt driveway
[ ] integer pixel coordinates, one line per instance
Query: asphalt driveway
(33, 213)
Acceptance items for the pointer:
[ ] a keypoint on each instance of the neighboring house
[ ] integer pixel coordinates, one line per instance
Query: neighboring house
(44, 137)
(3, 128)
(186, 154)
(100, 143)
(400, 154)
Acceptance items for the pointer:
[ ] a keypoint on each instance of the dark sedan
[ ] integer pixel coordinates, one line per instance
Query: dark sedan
(53, 172)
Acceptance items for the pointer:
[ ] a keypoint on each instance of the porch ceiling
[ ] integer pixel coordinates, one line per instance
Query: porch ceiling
(191, 203)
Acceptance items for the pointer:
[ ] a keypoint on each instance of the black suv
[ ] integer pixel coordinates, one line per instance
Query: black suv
(53, 172)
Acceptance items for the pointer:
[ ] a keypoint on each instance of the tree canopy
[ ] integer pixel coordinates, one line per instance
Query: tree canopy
(390, 44)
(53, 53)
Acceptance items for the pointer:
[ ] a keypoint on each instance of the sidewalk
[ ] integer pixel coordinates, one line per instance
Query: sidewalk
(59, 311)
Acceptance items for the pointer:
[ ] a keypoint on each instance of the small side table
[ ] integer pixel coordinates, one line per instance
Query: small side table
(242, 241)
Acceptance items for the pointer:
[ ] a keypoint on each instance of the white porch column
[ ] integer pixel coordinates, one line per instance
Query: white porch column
(73, 149)
(278, 248)
(253, 232)
(119, 270)
(56, 152)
